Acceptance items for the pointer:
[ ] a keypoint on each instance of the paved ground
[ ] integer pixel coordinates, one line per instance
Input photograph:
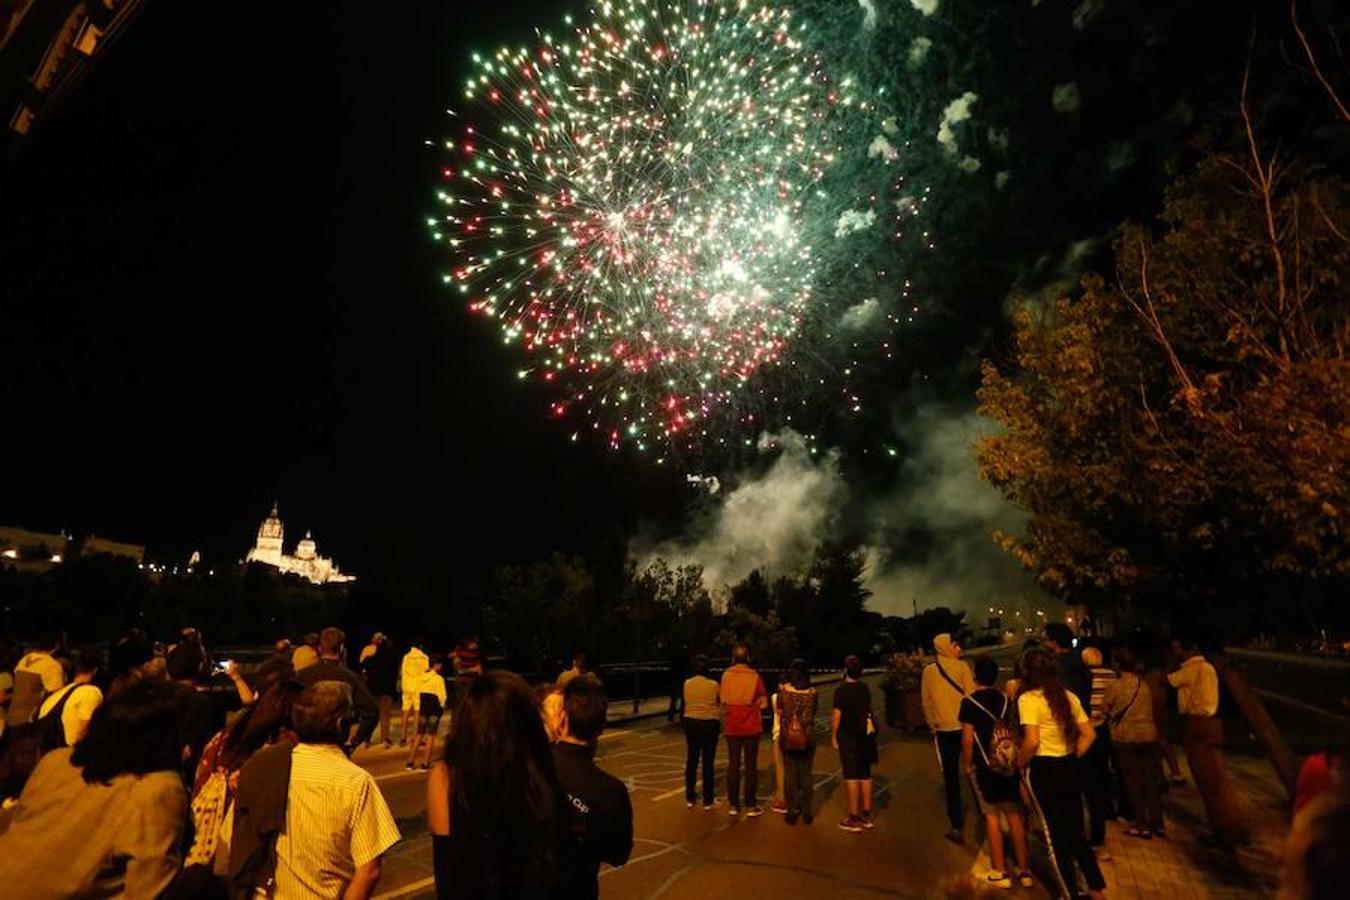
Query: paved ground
(684, 853)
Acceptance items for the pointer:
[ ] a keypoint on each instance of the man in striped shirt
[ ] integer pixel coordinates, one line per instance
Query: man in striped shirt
(337, 823)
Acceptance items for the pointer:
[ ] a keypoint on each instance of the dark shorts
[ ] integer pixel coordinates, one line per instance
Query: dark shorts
(855, 757)
(996, 791)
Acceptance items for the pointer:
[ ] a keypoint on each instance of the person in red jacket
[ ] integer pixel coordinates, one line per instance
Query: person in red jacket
(743, 697)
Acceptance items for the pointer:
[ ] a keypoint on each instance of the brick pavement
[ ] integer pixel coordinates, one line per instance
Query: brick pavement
(1180, 867)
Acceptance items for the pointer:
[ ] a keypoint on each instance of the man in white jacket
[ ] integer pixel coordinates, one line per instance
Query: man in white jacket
(946, 682)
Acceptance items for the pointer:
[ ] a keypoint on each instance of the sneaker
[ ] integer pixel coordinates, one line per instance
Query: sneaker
(689, 804)
(754, 812)
(867, 821)
(956, 837)
(1025, 880)
(408, 765)
(734, 811)
(998, 880)
(807, 818)
(851, 823)
(791, 817)
(707, 807)
(780, 808)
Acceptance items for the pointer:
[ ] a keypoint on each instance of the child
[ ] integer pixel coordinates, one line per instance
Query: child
(431, 703)
(996, 792)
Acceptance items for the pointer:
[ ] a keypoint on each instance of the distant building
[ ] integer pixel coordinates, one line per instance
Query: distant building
(31, 551)
(94, 545)
(307, 563)
(46, 49)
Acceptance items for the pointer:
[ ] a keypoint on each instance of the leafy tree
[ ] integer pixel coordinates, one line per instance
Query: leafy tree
(1185, 430)
(772, 642)
(751, 594)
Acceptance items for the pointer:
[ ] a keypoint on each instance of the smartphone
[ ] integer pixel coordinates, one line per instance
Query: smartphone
(223, 665)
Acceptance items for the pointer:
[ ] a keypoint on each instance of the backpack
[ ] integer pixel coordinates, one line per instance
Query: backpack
(208, 812)
(793, 730)
(27, 742)
(1001, 755)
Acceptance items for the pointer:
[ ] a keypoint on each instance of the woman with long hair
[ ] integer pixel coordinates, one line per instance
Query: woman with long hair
(1056, 734)
(263, 723)
(108, 816)
(494, 807)
(797, 737)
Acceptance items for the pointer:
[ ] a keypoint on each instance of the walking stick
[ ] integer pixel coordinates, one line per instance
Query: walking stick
(1045, 828)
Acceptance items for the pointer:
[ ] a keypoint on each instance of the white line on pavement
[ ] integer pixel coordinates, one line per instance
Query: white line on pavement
(407, 889)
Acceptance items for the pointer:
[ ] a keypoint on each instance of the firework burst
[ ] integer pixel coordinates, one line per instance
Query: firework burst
(635, 201)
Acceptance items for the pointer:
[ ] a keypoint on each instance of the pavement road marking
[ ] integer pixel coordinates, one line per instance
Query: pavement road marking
(407, 889)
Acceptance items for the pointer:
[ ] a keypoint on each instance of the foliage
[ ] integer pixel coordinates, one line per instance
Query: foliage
(752, 594)
(1184, 431)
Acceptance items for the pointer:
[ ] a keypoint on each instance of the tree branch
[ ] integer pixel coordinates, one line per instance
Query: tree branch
(1312, 60)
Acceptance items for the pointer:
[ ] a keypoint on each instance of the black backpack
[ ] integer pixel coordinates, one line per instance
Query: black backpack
(27, 742)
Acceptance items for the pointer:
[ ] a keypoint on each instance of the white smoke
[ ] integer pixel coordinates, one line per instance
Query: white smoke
(861, 316)
(709, 483)
(882, 147)
(851, 220)
(869, 14)
(918, 51)
(941, 496)
(772, 522)
(957, 111)
(1086, 12)
(1066, 98)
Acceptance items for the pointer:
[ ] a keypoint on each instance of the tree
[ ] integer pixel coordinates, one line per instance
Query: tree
(543, 612)
(751, 594)
(773, 643)
(841, 624)
(1185, 430)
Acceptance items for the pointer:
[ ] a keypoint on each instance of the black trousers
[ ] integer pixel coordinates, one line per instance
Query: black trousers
(743, 752)
(700, 741)
(1057, 785)
(949, 754)
(798, 785)
(1141, 766)
(1097, 786)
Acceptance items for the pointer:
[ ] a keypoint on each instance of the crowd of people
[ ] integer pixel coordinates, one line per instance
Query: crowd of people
(151, 771)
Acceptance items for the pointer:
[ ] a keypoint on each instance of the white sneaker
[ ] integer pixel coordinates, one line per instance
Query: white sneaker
(999, 880)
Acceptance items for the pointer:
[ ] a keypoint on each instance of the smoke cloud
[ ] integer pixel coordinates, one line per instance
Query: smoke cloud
(932, 543)
(927, 541)
(772, 522)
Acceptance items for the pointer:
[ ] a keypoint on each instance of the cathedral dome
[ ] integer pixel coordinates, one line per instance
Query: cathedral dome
(271, 526)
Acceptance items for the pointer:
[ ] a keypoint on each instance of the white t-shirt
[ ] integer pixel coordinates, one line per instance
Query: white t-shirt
(78, 710)
(46, 668)
(1033, 710)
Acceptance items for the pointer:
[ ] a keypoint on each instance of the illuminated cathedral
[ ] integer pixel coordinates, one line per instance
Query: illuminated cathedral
(307, 563)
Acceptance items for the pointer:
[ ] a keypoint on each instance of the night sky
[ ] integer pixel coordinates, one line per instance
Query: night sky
(218, 289)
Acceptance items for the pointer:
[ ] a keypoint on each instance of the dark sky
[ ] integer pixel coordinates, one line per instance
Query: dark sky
(218, 290)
